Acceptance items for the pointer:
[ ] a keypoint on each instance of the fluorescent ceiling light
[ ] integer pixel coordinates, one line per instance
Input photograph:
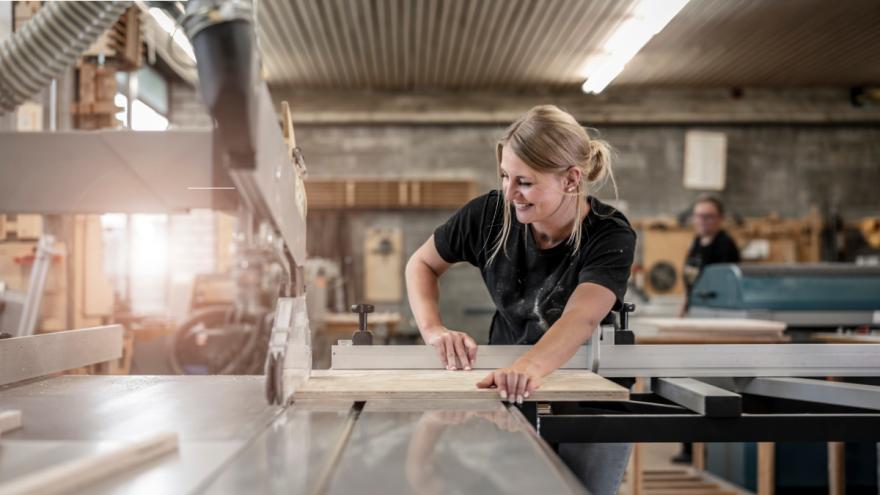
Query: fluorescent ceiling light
(647, 18)
(169, 25)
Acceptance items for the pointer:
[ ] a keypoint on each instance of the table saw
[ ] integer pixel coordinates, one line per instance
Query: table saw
(384, 437)
(234, 434)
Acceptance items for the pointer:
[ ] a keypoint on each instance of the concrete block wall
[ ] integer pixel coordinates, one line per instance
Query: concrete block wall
(770, 168)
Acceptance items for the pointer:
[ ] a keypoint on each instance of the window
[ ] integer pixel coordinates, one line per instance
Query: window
(152, 259)
(144, 118)
(148, 108)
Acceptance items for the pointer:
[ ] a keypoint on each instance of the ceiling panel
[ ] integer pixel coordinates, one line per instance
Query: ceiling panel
(415, 45)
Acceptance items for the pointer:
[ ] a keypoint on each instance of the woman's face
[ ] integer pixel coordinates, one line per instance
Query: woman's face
(536, 196)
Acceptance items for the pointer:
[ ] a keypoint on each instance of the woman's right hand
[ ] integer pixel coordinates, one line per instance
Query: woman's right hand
(457, 350)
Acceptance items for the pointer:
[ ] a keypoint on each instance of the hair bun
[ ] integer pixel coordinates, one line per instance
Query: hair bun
(595, 172)
(598, 159)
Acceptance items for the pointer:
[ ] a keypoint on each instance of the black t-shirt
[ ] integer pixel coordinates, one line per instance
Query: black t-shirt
(530, 286)
(722, 249)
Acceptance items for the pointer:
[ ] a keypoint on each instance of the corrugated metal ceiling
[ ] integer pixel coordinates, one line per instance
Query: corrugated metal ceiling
(764, 42)
(418, 44)
(545, 44)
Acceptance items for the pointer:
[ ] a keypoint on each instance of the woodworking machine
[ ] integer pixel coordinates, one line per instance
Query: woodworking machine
(805, 296)
(265, 165)
(232, 441)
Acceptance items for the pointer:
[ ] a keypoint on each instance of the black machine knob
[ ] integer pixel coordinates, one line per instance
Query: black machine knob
(625, 309)
(362, 336)
(623, 335)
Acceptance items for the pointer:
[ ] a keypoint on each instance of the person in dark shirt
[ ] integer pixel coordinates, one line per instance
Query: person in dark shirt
(555, 261)
(711, 243)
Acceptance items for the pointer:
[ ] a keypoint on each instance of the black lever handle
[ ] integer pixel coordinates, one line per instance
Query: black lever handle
(362, 336)
(625, 309)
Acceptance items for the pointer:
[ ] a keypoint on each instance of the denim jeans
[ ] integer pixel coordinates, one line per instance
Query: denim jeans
(599, 466)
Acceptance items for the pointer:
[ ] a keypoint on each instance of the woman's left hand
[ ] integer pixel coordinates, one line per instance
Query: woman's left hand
(515, 382)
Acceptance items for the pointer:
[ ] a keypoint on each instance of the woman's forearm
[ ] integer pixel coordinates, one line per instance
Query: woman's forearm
(559, 344)
(423, 292)
(587, 306)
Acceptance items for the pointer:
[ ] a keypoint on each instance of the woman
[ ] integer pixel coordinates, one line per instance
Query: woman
(555, 261)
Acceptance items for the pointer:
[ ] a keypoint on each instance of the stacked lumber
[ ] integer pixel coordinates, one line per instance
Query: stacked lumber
(22, 12)
(95, 89)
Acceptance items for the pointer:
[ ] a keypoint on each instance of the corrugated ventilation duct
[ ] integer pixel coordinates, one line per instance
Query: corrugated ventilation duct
(47, 44)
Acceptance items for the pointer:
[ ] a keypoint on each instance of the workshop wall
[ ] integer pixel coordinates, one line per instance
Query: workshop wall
(785, 169)
(778, 168)
(771, 167)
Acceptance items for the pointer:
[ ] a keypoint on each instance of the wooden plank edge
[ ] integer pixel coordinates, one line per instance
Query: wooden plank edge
(71, 475)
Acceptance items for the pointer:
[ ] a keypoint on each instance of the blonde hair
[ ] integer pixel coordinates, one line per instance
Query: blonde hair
(550, 140)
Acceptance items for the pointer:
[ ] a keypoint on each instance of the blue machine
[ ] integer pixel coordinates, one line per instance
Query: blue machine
(807, 297)
(810, 296)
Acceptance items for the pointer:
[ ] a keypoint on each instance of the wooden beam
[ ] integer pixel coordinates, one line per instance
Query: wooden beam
(836, 468)
(638, 485)
(698, 455)
(766, 468)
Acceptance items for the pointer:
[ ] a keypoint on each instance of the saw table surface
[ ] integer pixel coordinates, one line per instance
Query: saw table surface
(232, 442)
(362, 385)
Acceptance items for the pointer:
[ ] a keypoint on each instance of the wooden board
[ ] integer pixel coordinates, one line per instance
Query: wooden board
(723, 325)
(845, 338)
(73, 475)
(362, 385)
(695, 338)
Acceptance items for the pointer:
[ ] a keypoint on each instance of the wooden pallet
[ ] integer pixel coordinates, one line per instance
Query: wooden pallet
(682, 481)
